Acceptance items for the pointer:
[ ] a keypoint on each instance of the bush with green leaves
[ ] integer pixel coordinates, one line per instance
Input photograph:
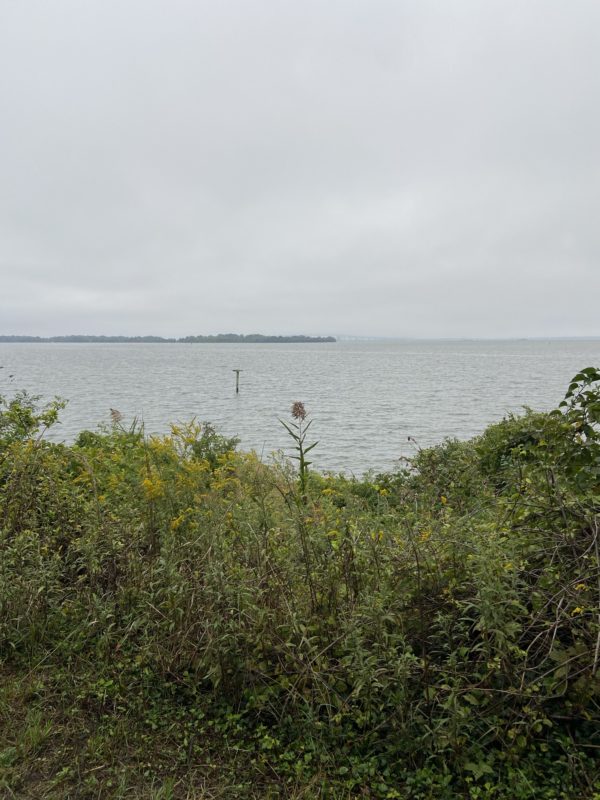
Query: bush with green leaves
(433, 633)
(22, 417)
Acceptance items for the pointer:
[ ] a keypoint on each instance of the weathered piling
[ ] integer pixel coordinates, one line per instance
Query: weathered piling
(237, 380)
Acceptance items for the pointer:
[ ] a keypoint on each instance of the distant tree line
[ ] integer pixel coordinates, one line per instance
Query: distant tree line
(255, 338)
(252, 338)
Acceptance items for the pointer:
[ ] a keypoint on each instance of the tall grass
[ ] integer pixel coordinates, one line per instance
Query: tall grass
(180, 618)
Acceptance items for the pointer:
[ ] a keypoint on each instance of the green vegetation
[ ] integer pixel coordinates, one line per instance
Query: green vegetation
(180, 620)
(220, 338)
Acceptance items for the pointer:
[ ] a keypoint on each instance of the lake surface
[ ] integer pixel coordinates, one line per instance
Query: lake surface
(366, 398)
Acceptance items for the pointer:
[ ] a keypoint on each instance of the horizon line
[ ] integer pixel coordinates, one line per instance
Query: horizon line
(336, 336)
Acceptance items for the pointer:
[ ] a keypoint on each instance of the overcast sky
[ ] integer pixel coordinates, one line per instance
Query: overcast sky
(401, 168)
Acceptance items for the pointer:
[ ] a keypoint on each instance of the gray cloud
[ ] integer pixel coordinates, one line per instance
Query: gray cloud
(382, 168)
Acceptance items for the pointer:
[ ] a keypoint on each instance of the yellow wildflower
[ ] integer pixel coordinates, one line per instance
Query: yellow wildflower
(177, 522)
(153, 487)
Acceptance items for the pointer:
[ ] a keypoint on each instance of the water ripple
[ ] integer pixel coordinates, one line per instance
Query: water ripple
(366, 398)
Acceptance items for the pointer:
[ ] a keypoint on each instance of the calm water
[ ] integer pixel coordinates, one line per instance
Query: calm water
(366, 398)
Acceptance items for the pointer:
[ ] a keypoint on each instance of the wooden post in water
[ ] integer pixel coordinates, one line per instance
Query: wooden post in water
(237, 380)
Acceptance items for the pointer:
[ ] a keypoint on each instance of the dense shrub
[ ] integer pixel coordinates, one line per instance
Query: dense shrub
(433, 633)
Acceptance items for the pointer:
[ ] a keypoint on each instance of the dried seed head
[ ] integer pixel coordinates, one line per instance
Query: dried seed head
(298, 410)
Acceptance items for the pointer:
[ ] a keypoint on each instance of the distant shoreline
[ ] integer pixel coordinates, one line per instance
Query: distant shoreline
(257, 338)
(221, 338)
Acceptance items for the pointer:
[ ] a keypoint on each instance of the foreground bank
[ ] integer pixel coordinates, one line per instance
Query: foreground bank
(181, 620)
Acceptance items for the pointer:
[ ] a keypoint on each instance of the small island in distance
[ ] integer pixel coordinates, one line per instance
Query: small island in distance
(220, 338)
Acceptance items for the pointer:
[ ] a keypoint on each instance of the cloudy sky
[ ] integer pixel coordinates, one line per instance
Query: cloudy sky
(386, 168)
